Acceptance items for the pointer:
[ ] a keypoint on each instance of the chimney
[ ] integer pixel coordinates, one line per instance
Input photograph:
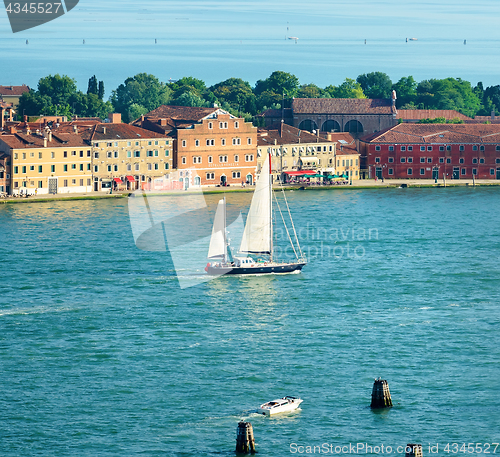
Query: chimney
(104, 130)
(75, 129)
(115, 118)
(12, 130)
(50, 136)
(162, 121)
(45, 142)
(492, 114)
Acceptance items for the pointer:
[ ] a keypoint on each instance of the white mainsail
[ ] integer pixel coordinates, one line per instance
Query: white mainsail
(217, 247)
(257, 235)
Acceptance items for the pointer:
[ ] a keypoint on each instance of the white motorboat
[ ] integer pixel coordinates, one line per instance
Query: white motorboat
(281, 405)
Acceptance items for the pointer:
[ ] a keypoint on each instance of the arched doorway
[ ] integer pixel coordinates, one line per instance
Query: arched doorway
(353, 126)
(249, 179)
(223, 180)
(330, 126)
(197, 181)
(308, 125)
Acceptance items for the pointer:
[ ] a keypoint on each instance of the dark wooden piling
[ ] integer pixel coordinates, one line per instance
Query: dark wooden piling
(245, 442)
(381, 397)
(413, 450)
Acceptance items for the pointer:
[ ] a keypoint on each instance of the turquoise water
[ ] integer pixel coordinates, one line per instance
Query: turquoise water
(101, 352)
(216, 40)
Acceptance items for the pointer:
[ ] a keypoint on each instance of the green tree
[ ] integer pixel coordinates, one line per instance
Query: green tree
(190, 99)
(136, 111)
(309, 91)
(375, 84)
(142, 89)
(100, 90)
(92, 88)
(406, 91)
(196, 85)
(58, 88)
(236, 93)
(279, 82)
(348, 89)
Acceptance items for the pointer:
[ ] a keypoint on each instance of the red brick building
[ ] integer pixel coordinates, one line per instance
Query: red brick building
(429, 151)
(4, 173)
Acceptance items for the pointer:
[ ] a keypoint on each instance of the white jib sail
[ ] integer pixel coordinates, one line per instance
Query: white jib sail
(257, 235)
(217, 249)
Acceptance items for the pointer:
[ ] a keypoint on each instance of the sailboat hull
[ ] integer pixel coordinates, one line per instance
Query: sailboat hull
(273, 268)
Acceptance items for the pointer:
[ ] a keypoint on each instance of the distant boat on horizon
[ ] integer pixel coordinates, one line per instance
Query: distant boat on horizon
(292, 38)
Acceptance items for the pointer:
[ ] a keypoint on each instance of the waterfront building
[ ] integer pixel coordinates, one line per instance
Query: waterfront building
(4, 173)
(358, 116)
(417, 115)
(210, 145)
(294, 152)
(11, 94)
(431, 151)
(44, 162)
(347, 161)
(126, 157)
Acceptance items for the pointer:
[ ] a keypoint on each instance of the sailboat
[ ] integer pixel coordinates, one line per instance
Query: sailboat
(255, 255)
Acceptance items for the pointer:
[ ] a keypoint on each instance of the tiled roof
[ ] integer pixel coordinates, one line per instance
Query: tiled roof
(108, 131)
(277, 113)
(180, 113)
(341, 106)
(24, 141)
(285, 134)
(345, 142)
(13, 90)
(437, 133)
(417, 114)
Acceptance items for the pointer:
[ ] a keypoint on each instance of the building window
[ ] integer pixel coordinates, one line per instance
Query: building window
(481, 160)
(210, 159)
(249, 141)
(441, 160)
(196, 143)
(492, 171)
(222, 159)
(410, 159)
(422, 159)
(136, 166)
(183, 143)
(441, 148)
(409, 171)
(167, 166)
(422, 171)
(23, 171)
(402, 148)
(96, 168)
(474, 171)
(81, 182)
(461, 148)
(73, 181)
(448, 148)
(249, 158)
(377, 160)
(210, 125)
(197, 159)
(39, 168)
(65, 182)
(210, 175)
(109, 167)
(115, 167)
(391, 171)
(474, 160)
(236, 174)
(32, 167)
(149, 153)
(223, 125)
(403, 159)
(129, 167)
(391, 148)
(236, 124)
(461, 160)
(65, 154)
(497, 160)
(236, 158)
(236, 141)
(150, 166)
(137, 153)
(462, 171)
(429, 159)
(210, 142)
(81, 167)
(422, 148)
(223, 141)
(377, 148)
(429, 148)
(52, 170)
(474, 147)
(391, 159)
(183, 160)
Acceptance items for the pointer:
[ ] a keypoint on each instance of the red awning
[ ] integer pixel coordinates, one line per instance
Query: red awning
(117, 180)
(130, 178)
(300, 173)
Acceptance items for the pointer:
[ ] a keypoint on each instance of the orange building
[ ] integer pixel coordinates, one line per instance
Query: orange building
(211, 146)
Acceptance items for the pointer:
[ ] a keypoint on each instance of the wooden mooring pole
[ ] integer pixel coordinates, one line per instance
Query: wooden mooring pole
(381, 397)
(245, 442)
(413, 450)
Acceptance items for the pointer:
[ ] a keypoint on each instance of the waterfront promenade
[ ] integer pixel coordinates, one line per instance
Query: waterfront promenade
(359, 184)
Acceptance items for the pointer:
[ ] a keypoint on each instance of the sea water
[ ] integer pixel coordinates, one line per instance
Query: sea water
(216, 40)
(102, 353)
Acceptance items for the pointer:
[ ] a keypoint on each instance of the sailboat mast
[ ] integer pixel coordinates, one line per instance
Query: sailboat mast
(224, 233)
(271, 204)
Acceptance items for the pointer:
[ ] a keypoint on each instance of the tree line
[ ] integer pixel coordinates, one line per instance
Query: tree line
(139, 94)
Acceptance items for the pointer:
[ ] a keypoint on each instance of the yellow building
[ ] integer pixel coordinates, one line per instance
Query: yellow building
(45, 162)
(346, 155)
(294, 151)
